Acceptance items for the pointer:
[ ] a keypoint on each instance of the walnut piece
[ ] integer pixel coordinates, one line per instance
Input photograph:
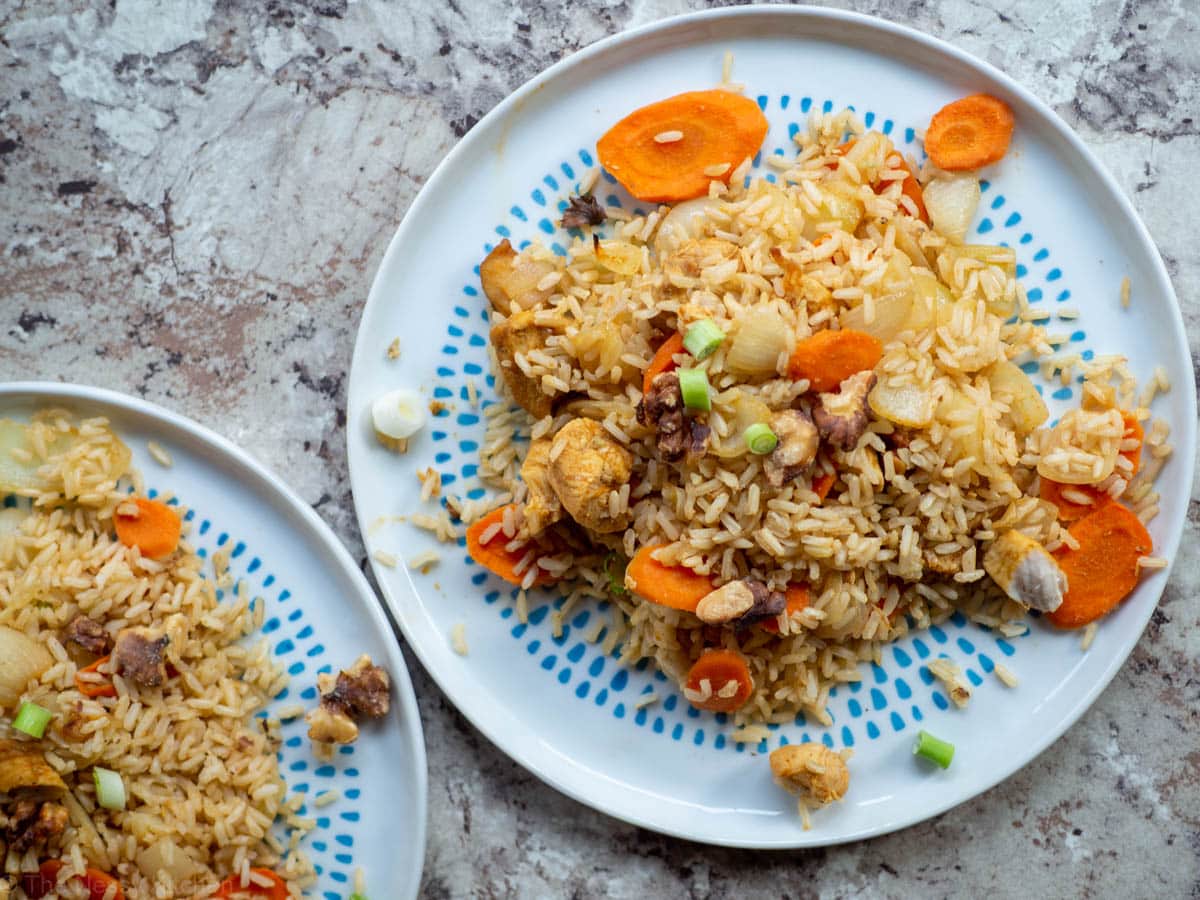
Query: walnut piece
(676, 435)
(362, 691)
(797, 448)
(842, 418)
(138, 656)
(32, 824)
(583, 210)
(740, 602)
(88, 634)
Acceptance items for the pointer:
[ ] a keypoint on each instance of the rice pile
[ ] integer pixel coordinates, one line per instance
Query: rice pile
(897, 544)
(198, 770)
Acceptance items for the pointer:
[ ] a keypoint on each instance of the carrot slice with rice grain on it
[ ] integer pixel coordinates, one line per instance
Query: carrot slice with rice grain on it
(1071, 510)
(675, 586)
(1104, 569)
(719, 668)
(671, 150)
(154, 530)
(828, 357)
(495, 555)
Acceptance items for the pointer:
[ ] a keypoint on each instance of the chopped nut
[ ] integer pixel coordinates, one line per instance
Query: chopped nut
(767, 603)
(31, 824)
(362, 691)
(943, 563)
(842, 418)
(331, 726)
(88, 634)
(797, 448)
(1025, 571)
(677, 435)
(728, 602)
(812, 770)
(138, 656)
(583, 210)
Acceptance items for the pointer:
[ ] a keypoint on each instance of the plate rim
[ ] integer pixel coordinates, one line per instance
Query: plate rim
(402, 683)
(511, 745)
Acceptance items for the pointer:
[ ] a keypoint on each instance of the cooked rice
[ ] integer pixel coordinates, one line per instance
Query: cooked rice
(1125, 292)
(1006, 676)
(425, 561)
(198, 769)
(867, 553)
(1089, 635)
(384, 558)
(393, 350)
(159, 454)
(458, 639)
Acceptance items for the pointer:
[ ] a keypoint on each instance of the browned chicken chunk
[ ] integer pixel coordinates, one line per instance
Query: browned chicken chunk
(520, 334)
(510, 279)
(138, 656)
(587, 465)
(88, 634)
(362, 691)
(542, 507)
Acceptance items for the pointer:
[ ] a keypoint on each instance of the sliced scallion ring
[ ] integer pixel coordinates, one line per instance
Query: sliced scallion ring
(693, 384)
(761, 439)
(703, 338)
(32, 719)
(110, 788)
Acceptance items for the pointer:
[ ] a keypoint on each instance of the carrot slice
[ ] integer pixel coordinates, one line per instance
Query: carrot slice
(663, 360)
(828, 358)
(95, 689)
(910, 187)
(675, 586)
(276, 890)
(660, 152)
(969, 133)
(44, 882)
(495, 556)
(154, 530)
(1104, 569)
(797, 600)
(1069, 511)
(720, 667)
(823, 484)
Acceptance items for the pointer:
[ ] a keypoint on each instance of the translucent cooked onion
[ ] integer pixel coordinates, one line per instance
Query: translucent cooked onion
(164, 855)
(761, 337)
(1027, 410)
(932, 302)
(22, 659)
(619, 257)
(740, 410)
(909, 405)
(951, 201)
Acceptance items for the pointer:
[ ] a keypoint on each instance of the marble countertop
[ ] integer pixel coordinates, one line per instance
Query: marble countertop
(195, 196)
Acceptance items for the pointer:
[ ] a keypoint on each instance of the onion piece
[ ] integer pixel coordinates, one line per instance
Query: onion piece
(892, 315)
(1026, 409)
(167, 856)
(687, 220)
(761, 337)
(952, 201)
(908, 404)
(740, 410)
(22, 659)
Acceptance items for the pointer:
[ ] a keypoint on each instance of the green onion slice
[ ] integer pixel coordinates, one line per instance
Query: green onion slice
(933, 749)
(110, 789)
(357, 896)
(761, 439)
(703, 338)
(32, 719)
(693, 384)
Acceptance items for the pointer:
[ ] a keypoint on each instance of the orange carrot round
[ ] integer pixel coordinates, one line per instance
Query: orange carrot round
(495, 555)
(823, 484)
(797, 600)
(720, 667)
(663, 360)
(969, 133)
(232, 886)
(675, 586)
(1069, 511)
(828, 358)
(154, 530)
(1104, 569)
(661, 152)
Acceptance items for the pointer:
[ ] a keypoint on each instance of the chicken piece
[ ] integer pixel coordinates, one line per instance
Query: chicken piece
(519, 334)
(942, 563)
(542, 507)
(676, 434)
(138, 656)
(88, 634)
(842, 418)
(32, 824)
(510, 279)
(813, 771)
(744, 602)
(25, 773)
(695, 255)
(362, 691)
(797, 447)
(587, 466)
(1025, 571)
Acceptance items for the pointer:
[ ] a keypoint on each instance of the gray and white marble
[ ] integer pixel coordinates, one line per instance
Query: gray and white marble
(194, 196)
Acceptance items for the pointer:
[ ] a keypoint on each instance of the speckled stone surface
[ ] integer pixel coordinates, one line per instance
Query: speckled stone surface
(194, 195)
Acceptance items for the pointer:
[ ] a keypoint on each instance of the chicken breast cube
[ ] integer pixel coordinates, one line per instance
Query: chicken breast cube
(586, 466)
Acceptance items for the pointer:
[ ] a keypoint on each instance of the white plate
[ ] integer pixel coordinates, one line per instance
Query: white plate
(556, 706)
(321, 614)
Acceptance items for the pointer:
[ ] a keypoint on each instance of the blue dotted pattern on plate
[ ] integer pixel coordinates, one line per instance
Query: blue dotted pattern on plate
(893, 697)
(296, 647)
